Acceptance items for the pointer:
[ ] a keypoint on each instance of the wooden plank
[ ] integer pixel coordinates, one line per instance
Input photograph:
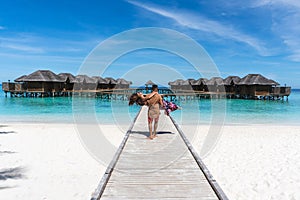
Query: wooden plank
(218, 190)
(163, 168)
(98, 192)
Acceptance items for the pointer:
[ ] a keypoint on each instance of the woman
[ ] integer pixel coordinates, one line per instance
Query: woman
(168, 105)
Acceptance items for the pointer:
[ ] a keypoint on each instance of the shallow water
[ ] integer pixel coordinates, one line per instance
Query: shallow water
(205, 111)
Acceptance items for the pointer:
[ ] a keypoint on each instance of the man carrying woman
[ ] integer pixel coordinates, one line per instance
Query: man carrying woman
(154, 102)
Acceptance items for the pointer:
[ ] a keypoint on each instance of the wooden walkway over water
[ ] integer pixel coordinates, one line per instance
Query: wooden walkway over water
(164, 168)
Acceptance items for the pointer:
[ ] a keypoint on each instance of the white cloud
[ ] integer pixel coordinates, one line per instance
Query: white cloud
(259, 3)
(293, 44)
(43, 58)
(201, 23)
(19, 43)
(30, 43)
(286, 25)
(289, 3)
(23, 48)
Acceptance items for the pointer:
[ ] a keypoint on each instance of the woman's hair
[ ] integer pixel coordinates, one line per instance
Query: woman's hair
(135, 99)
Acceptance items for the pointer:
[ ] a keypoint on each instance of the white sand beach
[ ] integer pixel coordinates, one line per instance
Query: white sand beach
(258, 162)
(48, 161)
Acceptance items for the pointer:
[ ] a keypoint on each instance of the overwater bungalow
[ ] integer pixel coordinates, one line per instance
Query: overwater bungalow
(7, 86)
(199, 85)
(21, 78)
(231, 84)
(254, 85)
(84, 82)
(180, 84)
(69, 81)
(215, 84)
(148, 86)
(19, 85)
(149, 83)
(122, 83)
(279, 92)
(191, 80)
(44, 81)
(102, 83)
(202, 85)
(111, 82)
(194, 83)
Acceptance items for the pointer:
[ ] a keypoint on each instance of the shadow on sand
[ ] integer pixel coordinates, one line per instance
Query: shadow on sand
(7, 132)
(11, 173)
(7, 152)
(5, 187)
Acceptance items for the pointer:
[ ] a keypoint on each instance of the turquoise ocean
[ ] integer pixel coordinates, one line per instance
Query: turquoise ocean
(204, 111)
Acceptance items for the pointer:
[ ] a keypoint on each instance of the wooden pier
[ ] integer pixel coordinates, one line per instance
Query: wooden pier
(166, 167)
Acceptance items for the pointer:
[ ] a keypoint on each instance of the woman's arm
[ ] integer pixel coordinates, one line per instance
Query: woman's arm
(142, 96)
(147, 97)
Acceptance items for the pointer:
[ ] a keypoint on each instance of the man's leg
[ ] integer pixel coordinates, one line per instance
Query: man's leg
(155, 126)
(150, 127)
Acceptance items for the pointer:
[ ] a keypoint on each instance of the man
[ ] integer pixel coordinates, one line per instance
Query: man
(154, 101)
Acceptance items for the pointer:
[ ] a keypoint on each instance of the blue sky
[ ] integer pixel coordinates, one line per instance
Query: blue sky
(258, 36)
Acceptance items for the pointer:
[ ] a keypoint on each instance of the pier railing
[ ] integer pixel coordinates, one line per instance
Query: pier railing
(281, 91)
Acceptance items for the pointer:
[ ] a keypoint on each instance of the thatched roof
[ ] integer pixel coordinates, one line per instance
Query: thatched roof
(110, 80)
(149, 83)
(215, 81)
(122, 81)
(179, 82)
(232, 80)
(199, 81)
(192, 81)
(43, 76)
(100, 80)
(21, 78)
(256, 79)
(172, 83)
(84, 79)
(203, 80)
(65, 76)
